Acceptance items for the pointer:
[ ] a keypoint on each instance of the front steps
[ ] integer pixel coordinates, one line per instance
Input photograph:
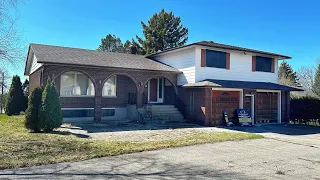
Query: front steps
(160, 114)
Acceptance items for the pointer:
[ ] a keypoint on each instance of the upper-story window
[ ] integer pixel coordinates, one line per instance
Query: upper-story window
(75, 84)
(110, 87)
(216, 59)
(263, 64)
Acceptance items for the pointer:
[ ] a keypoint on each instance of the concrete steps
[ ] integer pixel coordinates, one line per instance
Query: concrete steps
(160, 114)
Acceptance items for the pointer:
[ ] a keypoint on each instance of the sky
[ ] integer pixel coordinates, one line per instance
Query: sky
(288, 27)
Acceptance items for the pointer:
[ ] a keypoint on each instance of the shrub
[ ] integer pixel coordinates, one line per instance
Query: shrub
(50, 111)
(305, 109)
(15, 98)
(32, 120)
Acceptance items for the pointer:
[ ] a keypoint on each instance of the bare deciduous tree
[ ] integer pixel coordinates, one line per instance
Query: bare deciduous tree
(11, 46)
(306, 77)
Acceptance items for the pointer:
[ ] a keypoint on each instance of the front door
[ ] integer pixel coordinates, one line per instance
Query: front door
(153, 90)
(156, 90)
(249, 104)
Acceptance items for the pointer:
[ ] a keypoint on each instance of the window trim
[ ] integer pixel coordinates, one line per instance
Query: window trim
(75, 79)
(115, 84)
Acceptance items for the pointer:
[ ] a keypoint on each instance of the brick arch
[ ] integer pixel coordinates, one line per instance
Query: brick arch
(166, 77)
(121, 74)
(80, 71)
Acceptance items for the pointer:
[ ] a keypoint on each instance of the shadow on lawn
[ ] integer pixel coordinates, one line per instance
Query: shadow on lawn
(92, 127)
(123, 167)
(70, 133)
(286, 129)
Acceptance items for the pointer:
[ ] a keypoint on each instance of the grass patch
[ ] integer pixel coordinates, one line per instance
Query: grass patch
(20, 148)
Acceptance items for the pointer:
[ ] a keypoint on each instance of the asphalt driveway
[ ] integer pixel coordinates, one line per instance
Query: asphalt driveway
(287, 152)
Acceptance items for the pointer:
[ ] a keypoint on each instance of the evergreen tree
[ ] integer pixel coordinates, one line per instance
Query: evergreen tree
(15, 98)
(111, 43)
(316, 84)
(32, 120)
(163, 31)
(286, 75)
(25, 89)
(50, 111)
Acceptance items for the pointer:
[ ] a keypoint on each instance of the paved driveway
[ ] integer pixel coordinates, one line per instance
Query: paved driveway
(286, 153)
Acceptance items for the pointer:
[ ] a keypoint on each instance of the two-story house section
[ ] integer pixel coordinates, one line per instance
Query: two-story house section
(219, 78)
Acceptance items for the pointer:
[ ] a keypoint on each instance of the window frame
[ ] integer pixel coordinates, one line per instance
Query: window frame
(256, 63)
(75, 80)
(206, 59)
(115, 91)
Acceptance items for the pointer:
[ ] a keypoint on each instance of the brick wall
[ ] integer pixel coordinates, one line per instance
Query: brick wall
(128, 81)
(34, 80)
(198, 115)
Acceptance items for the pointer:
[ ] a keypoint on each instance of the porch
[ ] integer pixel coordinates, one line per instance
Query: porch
(89, 94)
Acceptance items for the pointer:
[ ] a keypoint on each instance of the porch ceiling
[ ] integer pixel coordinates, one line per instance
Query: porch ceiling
(241, 84)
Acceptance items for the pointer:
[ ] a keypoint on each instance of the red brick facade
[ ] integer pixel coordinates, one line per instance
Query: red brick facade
(127, 81)
(135, 81)
(202, 113)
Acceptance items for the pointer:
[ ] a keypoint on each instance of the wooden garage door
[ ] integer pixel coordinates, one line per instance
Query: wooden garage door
(267, 107)
(228, 100)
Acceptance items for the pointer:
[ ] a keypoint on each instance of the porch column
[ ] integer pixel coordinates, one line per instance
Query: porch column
(97, 105)
(140, 97)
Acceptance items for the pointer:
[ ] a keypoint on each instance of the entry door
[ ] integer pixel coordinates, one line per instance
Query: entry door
(249, 104)
(156, 90)
(153, 84)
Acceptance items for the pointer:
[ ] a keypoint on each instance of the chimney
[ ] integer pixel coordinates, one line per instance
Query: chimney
(133, 49)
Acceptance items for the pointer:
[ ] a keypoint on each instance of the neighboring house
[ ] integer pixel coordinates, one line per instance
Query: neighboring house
(201, 80)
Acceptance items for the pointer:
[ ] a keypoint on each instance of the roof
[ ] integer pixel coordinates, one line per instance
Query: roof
(226, 47)
(48, 54)
(241, 84)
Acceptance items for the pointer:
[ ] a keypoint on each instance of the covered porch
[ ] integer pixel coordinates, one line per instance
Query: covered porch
(92, 94)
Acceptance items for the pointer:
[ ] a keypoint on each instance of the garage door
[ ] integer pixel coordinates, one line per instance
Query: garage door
(267, 107)
(224, 100)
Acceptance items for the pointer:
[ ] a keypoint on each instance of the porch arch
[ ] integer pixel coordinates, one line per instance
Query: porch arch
(132, 92)
(78, 71)
(165, 77)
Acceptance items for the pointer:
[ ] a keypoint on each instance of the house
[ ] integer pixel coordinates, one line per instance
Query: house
(196, 82)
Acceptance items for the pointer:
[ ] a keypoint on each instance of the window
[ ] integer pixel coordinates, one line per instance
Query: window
(110, 87)
(76, 84)
(108, 112)
(216, 59)
(73, 113)
(263, 64)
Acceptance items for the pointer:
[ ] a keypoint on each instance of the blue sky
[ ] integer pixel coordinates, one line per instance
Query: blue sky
(288, 27)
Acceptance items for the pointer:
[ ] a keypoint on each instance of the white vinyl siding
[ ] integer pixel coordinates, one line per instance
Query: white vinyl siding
(240, 70)
(184, 61)
(35, 65)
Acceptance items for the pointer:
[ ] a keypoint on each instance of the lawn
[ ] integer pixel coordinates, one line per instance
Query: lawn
(20, 148)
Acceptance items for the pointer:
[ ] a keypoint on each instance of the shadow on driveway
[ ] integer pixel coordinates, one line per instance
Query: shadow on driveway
(285, 129)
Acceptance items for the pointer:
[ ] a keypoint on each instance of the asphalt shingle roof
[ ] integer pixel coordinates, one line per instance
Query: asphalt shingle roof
(76, 56)
(227, 47)
(241, 84)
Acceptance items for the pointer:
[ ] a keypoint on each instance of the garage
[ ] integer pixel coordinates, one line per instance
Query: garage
(267, 107)
(222, 101)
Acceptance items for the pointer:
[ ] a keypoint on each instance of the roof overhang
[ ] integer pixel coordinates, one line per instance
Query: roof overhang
(214, 83)
(225, 47)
